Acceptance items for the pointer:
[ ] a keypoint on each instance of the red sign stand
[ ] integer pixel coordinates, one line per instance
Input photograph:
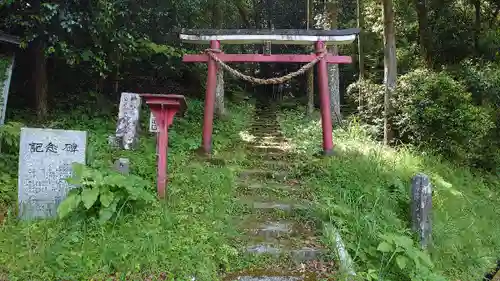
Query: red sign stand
(164, 108)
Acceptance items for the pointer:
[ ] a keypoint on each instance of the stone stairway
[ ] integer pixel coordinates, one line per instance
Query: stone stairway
(275, 224)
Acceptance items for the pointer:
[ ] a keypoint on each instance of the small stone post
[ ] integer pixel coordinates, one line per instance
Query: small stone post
(122, 165)
(421, 208)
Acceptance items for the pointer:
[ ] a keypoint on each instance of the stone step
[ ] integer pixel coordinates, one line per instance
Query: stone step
(272, 143)
(260, 174)
(281, 206)
(262, 133)
(274, 191)
(313, 270)
(269, 138)
(274, 163)
(272, 156)
(268, 229)
(277, 187)
(272, 229)
(266, 149)
(260, 124)
(268, 278)
(310, 271)
(264, 129)
(298, 255)
(266, 206)
(270, 205)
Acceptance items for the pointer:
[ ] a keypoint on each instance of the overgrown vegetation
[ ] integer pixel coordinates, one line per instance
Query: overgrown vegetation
(75, 58)
(189, 235)
(9, 143)
(437, 111)
(365, 191)
(103, 194)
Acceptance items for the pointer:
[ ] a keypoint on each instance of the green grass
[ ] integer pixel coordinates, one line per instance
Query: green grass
(365, 191)
(189, 235)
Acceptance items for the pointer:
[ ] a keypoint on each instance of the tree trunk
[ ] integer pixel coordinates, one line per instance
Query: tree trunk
(361, 52)
(477, 24)
(332, 11)
(423, 30)
(40, 79)
(310, 73)
(220, 110)
(40, 69)
(390, 67)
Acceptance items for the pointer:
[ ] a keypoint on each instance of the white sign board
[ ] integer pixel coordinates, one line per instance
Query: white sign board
(153, 127)
(45, 159)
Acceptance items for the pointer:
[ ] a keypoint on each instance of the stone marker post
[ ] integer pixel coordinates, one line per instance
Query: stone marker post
(4, 86)
(45, 159)
(421, 208)
(122, 165)
(127, 127)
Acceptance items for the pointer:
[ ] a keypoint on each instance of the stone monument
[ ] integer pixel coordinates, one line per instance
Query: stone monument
(127, 127)
(45, 159)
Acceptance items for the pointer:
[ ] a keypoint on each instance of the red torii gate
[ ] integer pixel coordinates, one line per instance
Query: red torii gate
(321, 38)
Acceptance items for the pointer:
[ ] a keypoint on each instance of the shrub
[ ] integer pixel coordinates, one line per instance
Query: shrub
(483, 81)
(435, 110)
(9, 145)
(103, 194)
(431, 109)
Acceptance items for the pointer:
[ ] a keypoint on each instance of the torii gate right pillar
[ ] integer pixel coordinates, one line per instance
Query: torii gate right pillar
(324, 96)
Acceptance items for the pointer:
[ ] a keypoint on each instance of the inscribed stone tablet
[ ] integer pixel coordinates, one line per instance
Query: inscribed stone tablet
(128, 120)
(45, 158)
(153, 127)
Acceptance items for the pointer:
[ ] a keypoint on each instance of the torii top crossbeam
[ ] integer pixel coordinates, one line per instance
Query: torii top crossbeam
(276, 36)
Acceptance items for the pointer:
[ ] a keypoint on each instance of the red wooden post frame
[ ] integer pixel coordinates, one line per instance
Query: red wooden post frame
(283, 58)
(164, 108)
(324, 97)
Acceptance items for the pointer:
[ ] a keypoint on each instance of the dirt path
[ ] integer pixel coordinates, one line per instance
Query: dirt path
(276, 223)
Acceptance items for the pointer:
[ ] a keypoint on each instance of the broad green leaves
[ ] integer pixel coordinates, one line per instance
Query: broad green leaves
(401, 261)
(401, 250)
(384, 247)
(69, 205)
(89, 197)
(102, 194)
(106, 198)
